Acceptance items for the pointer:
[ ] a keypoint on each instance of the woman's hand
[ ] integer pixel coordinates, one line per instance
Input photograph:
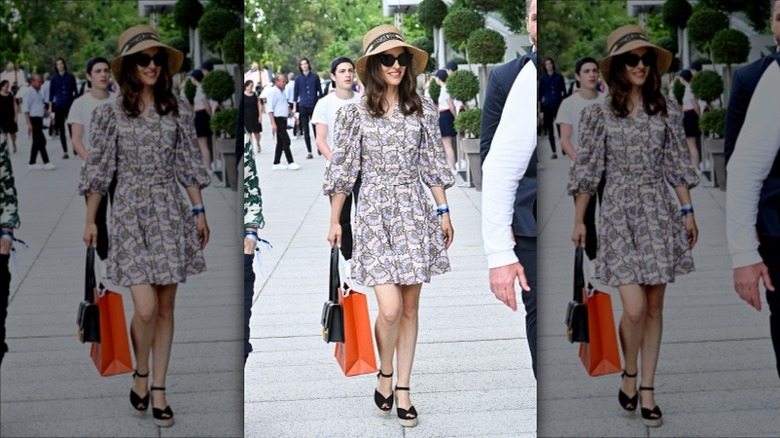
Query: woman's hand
(446, 228)
(693, 231)
(334, 234)
(249, 246)
(91, 234)
(203, 230)
(578, 236)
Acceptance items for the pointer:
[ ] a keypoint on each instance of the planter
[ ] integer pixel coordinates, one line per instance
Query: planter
(715, 146)
(471, 148)
(227, 146)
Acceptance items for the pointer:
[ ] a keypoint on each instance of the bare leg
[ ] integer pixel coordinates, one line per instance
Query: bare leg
(163, 338)
(691, 141)
(142, 328)
(449, 151)
(388, 297)
(407, 340)
(203, 144)
(631, 327)
(651, 341)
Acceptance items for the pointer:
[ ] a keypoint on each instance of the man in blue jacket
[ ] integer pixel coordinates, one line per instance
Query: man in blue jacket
(62, 93)
(307, 91)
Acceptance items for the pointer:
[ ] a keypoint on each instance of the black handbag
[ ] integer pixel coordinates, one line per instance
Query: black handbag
(88, 318)
(576, 312)
(332, 313)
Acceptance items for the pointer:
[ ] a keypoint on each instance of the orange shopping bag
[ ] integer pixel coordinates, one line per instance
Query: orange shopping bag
(356, 354)
(600, 354)
(112, 355)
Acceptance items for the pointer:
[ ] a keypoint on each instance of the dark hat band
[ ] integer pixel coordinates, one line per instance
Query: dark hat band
(385, 37)
(139, 38)
(625, 39)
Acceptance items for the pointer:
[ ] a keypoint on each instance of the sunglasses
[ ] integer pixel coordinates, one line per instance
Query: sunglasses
(389, 60)
(632, 60)
(143, 60)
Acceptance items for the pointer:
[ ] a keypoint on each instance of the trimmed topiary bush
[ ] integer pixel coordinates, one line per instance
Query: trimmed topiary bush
(214, 25)
(675, 13)
(179, 43)
(730, 46)
(218, 85)
(434, 89)
(486, 46)
(668, 43)
(459, 24)
(189, 91)
(704, 24)
(463, 85)
(431, 13)
(187, 13)
(707, 86)
(485, 6)
(713, 122)
(224, 122)
(678, 90)
(467, 122)
(423, 43)
(233, 47)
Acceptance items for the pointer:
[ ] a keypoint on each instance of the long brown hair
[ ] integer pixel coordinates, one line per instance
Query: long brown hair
(409, 101)
(620, 89)
(164, 99)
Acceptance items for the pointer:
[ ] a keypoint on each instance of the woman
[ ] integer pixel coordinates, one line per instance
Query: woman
(635, 139)
(202, 118)
(147, 141)
(253, 113)
(9, 111)
(447, 113)
(392, 140)
(691, 113)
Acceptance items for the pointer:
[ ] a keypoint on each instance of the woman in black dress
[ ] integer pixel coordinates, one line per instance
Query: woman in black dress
(253, 113)
(8, 113)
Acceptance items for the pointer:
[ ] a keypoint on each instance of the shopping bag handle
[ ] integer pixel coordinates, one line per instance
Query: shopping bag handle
(89, 280)
(579, 275)
(335, 282)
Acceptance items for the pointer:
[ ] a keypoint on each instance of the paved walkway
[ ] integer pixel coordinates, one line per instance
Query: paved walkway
(50, 386)
(716, 375)
(472, 373)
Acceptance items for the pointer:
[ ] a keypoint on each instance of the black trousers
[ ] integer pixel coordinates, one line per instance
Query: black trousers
(591, 236)
(282, 141)
(346, 221)
(60, 116)
(38, 141)
(549, 114)
(305, 118)
(5, 292)
(525, 249)
(296, 126)
(249, 292)
(770, 252)
(101, 220)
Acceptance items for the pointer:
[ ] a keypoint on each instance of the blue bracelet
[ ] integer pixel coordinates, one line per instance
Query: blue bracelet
(440, 211)
(686, 209)
(198, 209)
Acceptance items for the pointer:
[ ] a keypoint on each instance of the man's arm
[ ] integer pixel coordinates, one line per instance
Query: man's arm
(495, 97)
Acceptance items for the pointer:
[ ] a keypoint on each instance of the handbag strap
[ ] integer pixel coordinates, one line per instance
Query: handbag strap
(335, 282)
(89, 280)
(579, 275)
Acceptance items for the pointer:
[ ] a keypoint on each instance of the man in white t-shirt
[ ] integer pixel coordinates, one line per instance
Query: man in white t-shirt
(342, 70)
(586, 72)
(80, 119)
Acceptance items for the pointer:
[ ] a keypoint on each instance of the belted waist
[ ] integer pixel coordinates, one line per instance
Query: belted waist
(633, 180)
(389, 179)
(145, 180)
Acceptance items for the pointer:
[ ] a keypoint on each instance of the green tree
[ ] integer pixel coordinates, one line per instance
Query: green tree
(703, 25)
(431, 13)
(459, 24)
(187, 13)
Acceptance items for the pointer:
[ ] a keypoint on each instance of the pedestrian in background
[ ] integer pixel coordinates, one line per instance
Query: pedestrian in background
(34, 111)
(447, 113)
(308, 91)
(147, 140)
(253, 113)
(278, 112)
(636, 142)
(62, 92)
(9, 110)
(552, 90)
(392, 140)
(202, 117)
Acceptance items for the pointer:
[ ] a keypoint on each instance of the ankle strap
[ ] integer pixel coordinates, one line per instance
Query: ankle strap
(646, 388)
(137, 374)
(401, 388)
(625, 374)
(157, 388)
(385, 375)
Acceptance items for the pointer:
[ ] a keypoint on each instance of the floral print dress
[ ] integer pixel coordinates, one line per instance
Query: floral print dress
(154, 239)
(642, 237)
(398, 237)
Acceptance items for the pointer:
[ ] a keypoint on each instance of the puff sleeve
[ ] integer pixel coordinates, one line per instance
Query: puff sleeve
(253, 198)
(588, 167)
(98, 170)
(677, 166)
(344, 167)
(434, 170)
(188, 162)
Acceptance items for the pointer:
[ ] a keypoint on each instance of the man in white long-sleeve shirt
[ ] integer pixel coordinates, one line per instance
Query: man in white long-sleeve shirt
(753, 195)
(508, 149)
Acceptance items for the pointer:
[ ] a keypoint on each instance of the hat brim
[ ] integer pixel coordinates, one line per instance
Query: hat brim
(175, 58)
(662, 65)
(419, 57)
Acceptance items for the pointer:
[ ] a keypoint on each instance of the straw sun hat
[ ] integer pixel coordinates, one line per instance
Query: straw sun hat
(627, 38)
(386, 37)
(137, 39)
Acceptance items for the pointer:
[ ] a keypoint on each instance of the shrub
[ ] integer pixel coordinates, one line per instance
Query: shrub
(707, 85)
(713, 122)
(214, 26)
(434, 89)
(678, 90)
(463, 85)
(486, 46)
(218, 85)
(187, 13)
(224, 122)
(179, 43)
(730, 46)
(459, 24)
(668, 43)
(675, 13)
(704, 24)
(189, 91)
(431, 13)
(468, 122)
(233, 47)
